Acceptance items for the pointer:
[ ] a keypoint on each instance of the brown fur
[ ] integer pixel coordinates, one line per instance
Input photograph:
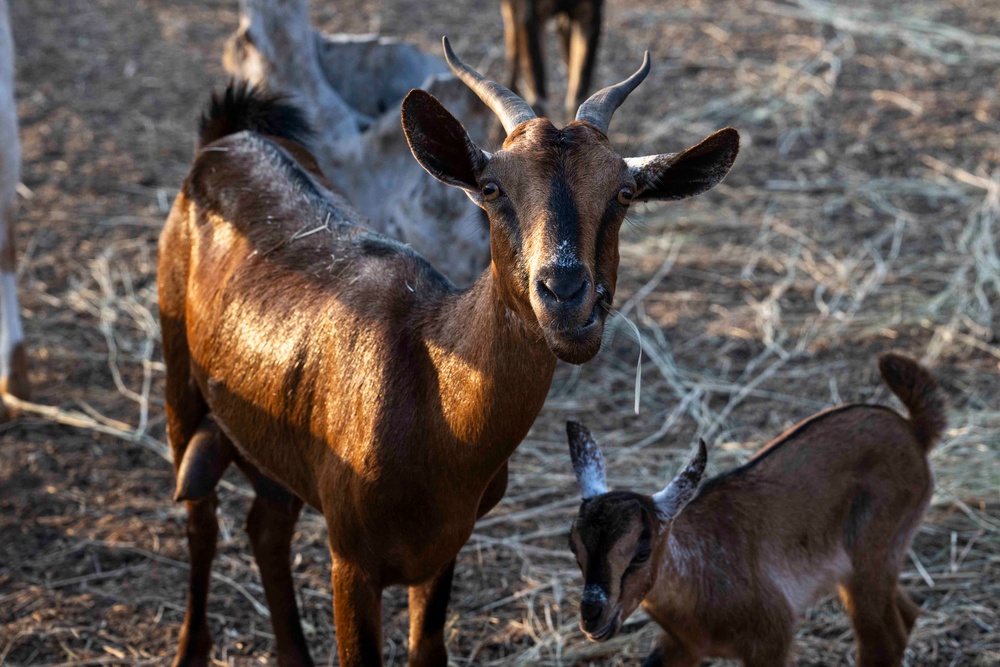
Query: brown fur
(579, 27)
(342, 366)
(832, 504)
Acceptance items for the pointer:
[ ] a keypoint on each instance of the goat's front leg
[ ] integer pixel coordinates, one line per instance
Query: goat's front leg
(357, 615)
(428, 611)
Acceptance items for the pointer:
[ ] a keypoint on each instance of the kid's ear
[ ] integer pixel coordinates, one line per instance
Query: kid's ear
(588, 462)
(682, 488)
(678, 175)
(440, 143)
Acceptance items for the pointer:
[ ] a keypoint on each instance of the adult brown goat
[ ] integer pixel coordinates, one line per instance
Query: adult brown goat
(344, 371)
(728, 569)
(579, 25)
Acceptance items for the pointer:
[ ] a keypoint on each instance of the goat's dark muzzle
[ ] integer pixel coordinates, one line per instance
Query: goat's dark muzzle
(568, 306)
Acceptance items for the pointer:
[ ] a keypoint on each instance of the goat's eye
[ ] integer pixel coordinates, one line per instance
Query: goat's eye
(641, 557)
(625, 196)
(491, 191)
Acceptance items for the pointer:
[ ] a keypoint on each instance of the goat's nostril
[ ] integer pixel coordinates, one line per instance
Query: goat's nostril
(563, 288)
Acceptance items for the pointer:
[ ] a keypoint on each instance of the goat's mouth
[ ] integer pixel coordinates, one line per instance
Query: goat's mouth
(573, 340)
(609, 630)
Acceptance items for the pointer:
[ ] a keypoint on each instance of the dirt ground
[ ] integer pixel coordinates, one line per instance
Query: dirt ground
(861, 216)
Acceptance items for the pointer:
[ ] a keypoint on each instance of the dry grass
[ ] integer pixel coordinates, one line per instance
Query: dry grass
(861, 216)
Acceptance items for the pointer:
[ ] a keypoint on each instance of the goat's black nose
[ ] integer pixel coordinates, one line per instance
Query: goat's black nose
(590, 610)
(565, 285)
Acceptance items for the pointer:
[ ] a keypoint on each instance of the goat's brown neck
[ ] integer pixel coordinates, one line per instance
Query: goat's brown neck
(494, 372)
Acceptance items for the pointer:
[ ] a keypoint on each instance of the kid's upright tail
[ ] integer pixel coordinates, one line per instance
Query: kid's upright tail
(919, 392)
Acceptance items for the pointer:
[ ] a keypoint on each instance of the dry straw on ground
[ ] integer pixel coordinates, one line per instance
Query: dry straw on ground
(861, 216)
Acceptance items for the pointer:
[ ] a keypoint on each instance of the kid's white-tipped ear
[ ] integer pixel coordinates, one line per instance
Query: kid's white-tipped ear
(682, 488)
(588, 462)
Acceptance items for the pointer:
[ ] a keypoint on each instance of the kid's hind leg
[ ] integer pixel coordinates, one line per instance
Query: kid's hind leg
(878, 623)
(908, 610)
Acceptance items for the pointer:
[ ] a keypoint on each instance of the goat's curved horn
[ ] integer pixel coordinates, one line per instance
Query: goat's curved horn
(509, 108)
(600, 106)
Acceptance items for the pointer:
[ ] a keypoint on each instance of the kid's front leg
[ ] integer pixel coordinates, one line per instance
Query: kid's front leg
(669, 652)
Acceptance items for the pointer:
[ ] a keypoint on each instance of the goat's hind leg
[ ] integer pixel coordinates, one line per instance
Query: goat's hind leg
(202, 532)
(271, 526)
(186, 416)
(428, 612)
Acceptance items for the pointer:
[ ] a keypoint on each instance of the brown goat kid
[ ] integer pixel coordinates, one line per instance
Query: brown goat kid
(342, 370)
(727, 569)
(579, 26)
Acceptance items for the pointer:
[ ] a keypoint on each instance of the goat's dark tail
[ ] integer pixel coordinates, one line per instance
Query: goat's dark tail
(919, 392)
(245, 107)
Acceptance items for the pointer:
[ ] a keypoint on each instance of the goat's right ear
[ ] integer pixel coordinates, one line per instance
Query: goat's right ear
(440, 143)
(588, 462)
(682, 488)
(675, 176)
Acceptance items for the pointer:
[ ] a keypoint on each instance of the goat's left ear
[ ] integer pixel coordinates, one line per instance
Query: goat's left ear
(588, 461)
(691, 172)
(440, 143)
(682, 488)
